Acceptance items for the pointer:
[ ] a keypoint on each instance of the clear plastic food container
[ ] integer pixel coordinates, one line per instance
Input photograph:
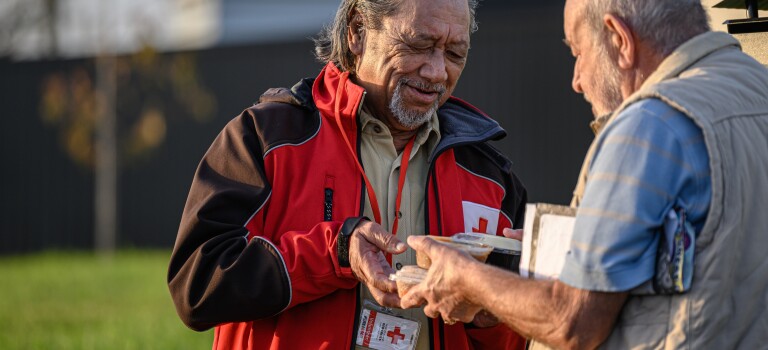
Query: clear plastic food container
(407, 277)
(477, 250)
(506, 251)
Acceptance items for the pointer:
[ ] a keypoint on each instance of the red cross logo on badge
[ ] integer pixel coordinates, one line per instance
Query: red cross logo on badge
(483, 224)
(396, 335)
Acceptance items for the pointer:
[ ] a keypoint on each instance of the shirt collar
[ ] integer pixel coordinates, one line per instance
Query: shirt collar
(427, 132)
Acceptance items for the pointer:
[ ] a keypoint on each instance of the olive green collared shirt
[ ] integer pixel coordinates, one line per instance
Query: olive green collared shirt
(382, 167)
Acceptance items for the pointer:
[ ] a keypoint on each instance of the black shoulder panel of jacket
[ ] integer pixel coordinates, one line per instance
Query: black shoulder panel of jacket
(215, 274)
(300, 94)
(288, 116)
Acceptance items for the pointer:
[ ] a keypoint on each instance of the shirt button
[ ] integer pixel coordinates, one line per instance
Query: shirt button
(398, 266)
(377, 129)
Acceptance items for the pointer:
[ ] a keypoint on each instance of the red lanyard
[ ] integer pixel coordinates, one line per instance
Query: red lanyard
(400, 182)
(371, 193)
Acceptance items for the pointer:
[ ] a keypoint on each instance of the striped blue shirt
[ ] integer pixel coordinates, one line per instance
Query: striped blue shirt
(649, 159)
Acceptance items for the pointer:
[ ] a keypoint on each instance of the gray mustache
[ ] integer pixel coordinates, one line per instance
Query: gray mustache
(438, 88)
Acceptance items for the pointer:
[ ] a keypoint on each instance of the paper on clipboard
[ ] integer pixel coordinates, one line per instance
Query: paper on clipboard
(546, 240)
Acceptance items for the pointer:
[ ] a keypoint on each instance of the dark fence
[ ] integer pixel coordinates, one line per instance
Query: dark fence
(518, 72)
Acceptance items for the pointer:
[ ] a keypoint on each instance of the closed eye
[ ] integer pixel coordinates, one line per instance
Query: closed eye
(457, 56)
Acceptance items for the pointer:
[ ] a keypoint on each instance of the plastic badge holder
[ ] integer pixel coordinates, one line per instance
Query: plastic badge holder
(506, 251)
(408, 277)
(478, 250)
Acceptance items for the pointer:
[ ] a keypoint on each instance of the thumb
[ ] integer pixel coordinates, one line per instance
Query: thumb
(395, 245)
(382, 239)
(514, 234)
(420, 243)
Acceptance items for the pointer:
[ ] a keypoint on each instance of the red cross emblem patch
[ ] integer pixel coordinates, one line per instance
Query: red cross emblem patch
(480, 218)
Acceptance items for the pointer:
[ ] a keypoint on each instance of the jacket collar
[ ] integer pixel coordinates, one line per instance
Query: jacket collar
(460, 122)
(325, 91)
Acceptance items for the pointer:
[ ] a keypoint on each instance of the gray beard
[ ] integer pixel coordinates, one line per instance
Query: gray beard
(609, 84)
(409, 118)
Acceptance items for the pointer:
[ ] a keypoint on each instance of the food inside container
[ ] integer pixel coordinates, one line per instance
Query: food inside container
(408, 277)
(506, 251)
(477, 250)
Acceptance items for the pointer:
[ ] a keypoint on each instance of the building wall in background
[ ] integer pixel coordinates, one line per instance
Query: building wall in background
(519, 72)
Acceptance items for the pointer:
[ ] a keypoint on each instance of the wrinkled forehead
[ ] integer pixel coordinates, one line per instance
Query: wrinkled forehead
(573, 17)
(433, 13)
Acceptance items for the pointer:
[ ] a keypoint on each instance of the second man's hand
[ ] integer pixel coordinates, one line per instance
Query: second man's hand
(368, 245)
(441, 289)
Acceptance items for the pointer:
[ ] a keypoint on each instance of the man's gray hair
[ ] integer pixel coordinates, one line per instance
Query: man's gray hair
(663, 24)
(331, 45)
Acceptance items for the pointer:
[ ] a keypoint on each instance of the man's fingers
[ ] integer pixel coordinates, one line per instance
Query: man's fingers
(514, 234)
(385, 299)
(465, 318)
(431, 311)
(383, 283)
(464, 313)
(421, 243)
(485, 319)
(376, 235)
(377, 272)
(390, 300)
(414, 298)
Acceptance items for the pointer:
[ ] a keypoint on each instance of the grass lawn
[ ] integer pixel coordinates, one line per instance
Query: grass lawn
(83, 301)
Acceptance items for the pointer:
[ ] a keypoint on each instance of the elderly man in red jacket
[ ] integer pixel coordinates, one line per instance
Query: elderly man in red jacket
(298, 211)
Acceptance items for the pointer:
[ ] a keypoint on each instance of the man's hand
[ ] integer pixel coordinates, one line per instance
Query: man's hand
(441, 289)
(367, 247)
(514, 234)
(485, 319)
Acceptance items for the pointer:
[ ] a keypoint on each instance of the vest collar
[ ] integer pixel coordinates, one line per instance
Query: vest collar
(688, 54)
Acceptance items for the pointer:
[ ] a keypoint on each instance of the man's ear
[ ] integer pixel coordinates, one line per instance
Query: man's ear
(621, 38)
(356, 33)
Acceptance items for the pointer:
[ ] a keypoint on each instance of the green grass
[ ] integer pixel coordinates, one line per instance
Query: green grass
(83, 301)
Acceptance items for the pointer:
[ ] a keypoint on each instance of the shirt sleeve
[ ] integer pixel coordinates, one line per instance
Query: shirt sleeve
(641, 166)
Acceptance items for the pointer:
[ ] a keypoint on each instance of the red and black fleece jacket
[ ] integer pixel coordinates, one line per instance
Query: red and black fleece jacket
(256, 252)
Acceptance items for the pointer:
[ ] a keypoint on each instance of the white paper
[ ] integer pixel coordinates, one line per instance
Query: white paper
(544, 255)
(555, 233)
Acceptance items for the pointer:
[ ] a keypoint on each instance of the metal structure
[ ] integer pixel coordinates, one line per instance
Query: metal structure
(753, 23)
(752, 32)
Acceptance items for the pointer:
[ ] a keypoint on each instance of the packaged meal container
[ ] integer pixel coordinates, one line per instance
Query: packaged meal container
(477, 250)
(506, 251)
(407, 277)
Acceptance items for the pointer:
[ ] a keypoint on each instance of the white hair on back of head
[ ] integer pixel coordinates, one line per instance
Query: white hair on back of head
(663, 24)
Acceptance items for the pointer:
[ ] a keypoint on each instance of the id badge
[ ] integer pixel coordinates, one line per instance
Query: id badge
(381, 330)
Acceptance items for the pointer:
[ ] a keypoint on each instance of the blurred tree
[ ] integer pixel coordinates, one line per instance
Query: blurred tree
(111, 111)
(149, 88)
(149, 85)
